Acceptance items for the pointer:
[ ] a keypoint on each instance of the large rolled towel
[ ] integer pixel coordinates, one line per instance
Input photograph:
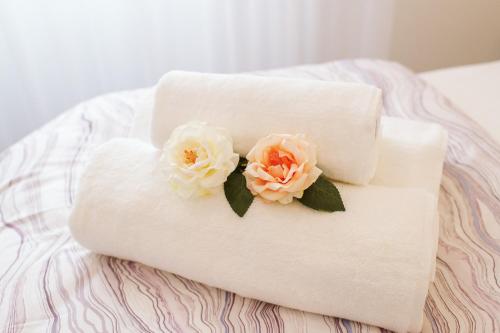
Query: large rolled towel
(341, 118)
(370, 263)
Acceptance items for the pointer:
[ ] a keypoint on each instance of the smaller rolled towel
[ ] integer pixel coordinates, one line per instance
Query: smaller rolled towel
(411, 154)
(370, 263)
(341, 118)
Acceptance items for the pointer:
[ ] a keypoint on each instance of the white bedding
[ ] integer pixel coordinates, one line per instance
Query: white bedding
(475, 89)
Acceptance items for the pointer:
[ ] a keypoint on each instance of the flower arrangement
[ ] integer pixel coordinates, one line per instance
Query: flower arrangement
(199, 160)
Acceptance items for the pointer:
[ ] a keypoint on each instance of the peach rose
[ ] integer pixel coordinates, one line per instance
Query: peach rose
(281, 166)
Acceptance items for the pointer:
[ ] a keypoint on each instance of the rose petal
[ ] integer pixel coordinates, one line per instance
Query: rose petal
(290, 174)
(297, 184)
(294, 149)
(274, 186)
(276, 171)
(286, 199)
(313, 176)
(264, 175)
(272, 195)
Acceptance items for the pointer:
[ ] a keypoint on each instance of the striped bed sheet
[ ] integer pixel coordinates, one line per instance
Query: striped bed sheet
(48, 283)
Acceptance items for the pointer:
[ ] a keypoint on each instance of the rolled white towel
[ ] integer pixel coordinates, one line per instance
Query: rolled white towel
(411, 155)
(341, 118)
(370, 263)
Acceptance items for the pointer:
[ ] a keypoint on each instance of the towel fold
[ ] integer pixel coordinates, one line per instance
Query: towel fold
(371, 263)
(411, 154)
(341, 118)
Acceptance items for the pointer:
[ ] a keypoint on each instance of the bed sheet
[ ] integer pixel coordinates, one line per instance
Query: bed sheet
(50, 283)
(475, 89)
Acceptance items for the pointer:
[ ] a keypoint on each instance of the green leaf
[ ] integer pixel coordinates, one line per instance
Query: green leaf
(323, 195)
(236, 191)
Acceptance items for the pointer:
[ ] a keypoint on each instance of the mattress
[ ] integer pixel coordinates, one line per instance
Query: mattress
(475, 89)
(50, 283)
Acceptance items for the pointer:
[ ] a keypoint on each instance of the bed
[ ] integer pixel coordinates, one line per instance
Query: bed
(50, 283)
(474, 89)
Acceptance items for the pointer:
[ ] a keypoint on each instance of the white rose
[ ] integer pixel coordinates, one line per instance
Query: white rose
(197, 159)
(281, 166)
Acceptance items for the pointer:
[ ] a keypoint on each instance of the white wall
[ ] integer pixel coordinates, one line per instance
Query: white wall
(429, 34)
(55, 54)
